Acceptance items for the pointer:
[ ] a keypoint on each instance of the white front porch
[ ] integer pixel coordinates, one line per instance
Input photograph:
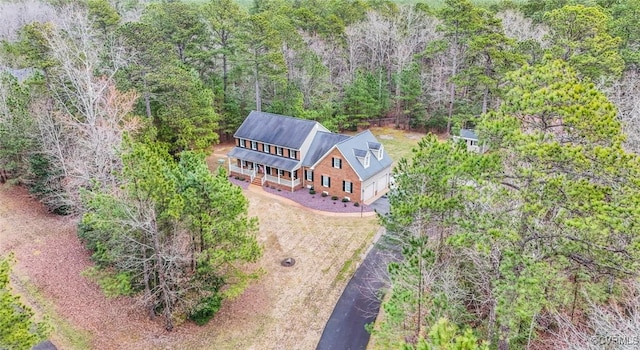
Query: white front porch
(259, 172)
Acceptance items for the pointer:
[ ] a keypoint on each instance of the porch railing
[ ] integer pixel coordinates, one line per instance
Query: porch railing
(281, 181)
(243, 171)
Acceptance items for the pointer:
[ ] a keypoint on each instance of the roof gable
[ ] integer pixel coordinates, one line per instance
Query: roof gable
(358, 147)
(322, 143)
(276, 129)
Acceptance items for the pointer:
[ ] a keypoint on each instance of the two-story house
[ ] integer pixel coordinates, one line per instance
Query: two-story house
(290, 153)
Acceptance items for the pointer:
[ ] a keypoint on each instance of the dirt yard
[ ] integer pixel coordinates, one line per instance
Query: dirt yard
(286, 309)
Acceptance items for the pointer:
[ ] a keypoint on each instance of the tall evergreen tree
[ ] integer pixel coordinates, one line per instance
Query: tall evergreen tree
(18, 328)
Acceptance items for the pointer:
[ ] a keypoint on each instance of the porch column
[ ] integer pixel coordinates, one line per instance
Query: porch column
(278, 176)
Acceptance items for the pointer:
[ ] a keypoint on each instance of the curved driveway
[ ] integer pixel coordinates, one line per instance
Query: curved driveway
(360, 301)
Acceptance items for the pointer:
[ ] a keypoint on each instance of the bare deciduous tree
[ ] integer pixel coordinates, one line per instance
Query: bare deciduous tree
(82, 123)
(14, 15)
(625, 94)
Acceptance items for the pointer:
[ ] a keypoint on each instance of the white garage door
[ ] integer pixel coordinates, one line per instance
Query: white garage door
(381, 183)
(369, 190)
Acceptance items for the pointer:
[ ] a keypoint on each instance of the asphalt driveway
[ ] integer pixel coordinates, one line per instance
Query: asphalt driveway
(360, 301)
(358, 306)
(381, 205)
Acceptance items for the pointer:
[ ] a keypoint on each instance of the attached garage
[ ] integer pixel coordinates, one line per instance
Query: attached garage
(382, 182)
(369, 191)
(376, 184)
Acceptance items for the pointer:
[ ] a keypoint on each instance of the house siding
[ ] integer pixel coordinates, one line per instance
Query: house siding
(325, 168)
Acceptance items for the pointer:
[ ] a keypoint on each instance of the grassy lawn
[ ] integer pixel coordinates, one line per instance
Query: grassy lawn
(289, 306)
(397, 143)
(286, 308)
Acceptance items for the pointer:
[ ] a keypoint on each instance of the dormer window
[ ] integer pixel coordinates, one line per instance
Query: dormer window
(243, 143)
(376, 148)
(254, 145)
(364, 157)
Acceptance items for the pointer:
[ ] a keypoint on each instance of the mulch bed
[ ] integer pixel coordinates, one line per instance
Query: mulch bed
(317, 202)
(243, 184)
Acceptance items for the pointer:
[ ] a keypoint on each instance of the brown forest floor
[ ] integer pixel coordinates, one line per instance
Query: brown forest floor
(286, 309)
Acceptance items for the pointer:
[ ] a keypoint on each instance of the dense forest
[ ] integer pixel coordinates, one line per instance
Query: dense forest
(107, 108)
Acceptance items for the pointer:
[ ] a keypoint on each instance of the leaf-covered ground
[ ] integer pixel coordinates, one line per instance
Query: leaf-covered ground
(287, 308)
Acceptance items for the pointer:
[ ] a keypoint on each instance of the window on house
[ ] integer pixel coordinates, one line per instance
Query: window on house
(337, 163)
(474, 143)
(243, 143)
(326, 181)
(295, 175)
(280, 172)
(293, 154)
(367, 160)
(279, 151)
(266, 148)
(347, 186)
(254, 145)
(308, 175)
(380, 152)
(267, 170)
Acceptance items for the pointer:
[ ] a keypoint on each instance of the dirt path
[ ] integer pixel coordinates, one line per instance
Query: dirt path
(287, 308)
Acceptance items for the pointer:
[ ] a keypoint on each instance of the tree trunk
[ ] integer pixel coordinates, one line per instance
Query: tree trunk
(258, 100)
(485, 98)
(147, 101)
(452, 89)
(224, 77)
(165, 292)
(575, 295)
(147, 287)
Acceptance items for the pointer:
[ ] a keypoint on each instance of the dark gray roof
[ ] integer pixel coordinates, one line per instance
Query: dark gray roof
(275, 129)
(468, 134)
(359, 153)
(322, 143)
(20, 74)
(374, 145)
(264, 158)
(45, 345)
(357, 146)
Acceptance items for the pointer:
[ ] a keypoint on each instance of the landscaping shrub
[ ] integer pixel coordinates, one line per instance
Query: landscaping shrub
(324, 194)
(345, 199)
(335, 198)
(356, 204)
(311, 191)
